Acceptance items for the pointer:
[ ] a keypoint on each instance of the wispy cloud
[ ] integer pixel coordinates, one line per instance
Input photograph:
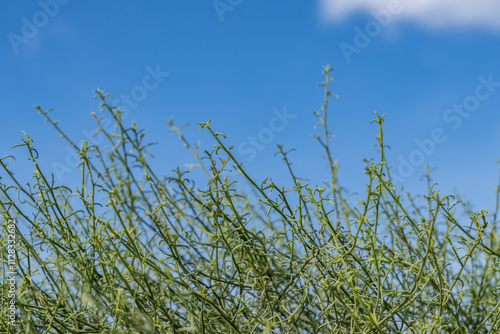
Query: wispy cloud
(433, 13)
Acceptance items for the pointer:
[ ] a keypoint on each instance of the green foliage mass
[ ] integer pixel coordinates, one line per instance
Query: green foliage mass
(128, 251)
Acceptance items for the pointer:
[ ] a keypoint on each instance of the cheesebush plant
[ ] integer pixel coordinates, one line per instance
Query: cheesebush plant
(128, 250)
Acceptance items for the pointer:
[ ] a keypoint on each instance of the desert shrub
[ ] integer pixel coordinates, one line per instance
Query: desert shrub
(129, 251)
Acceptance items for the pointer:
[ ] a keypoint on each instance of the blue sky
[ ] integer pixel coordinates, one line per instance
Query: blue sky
(252, 67)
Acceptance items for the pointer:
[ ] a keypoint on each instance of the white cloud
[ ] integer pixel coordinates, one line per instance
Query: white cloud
(434, 13)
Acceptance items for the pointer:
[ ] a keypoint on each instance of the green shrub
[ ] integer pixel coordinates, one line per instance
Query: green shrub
(128, 251)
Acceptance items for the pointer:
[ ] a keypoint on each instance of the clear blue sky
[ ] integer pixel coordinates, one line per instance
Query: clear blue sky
(248, 64)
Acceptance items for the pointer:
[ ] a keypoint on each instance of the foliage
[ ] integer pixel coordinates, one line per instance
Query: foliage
(127, 251)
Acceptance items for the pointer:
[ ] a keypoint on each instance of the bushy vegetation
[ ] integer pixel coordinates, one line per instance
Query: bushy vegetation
(129, 251)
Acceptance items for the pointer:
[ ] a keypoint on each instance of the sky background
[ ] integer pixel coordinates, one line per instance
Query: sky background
(241, 63)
